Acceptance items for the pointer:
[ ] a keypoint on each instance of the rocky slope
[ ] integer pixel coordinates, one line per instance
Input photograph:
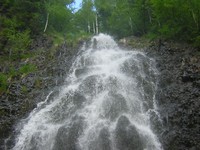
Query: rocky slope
(25, 92)
(178, 95)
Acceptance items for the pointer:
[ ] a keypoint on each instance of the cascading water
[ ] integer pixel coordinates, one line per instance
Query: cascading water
(104, 104)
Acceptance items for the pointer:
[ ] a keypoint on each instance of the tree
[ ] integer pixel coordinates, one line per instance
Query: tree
(59, 15)
(104, 9)
(176, 18)
(120, 21)
(85, 17)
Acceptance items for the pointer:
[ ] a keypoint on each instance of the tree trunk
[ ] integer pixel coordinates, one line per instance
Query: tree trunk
(130, 23)
(45, 28)
(195, 20)
(10, 53)
(94, 28)
(88, 26)
(97, 27)
(150, 18)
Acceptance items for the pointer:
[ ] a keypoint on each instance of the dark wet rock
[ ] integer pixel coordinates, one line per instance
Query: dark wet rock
(113, 83)
(130, 67)
(91, 85)
(190, 77)
(78, 99)
(177, 95)
(67, 137)
(127, 136)
(104, 139)
(81, 71)
(84, 71)
(114, 105)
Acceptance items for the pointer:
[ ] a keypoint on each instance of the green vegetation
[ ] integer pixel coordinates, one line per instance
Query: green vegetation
(27, 69)
(165, 19)
(24, 89)
(22, 21)
(3, 83)
(7, 77)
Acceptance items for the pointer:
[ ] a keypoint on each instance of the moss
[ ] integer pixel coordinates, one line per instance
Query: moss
(197, 41)
(138, 42)
(28, 68)
(38, 83)
(73, 39)
(24, 89)
(3, 83)
(2, 112)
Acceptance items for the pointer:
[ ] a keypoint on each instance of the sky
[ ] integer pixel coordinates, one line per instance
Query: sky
(77, 3)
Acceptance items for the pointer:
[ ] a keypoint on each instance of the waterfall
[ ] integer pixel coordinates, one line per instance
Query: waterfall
(105, 104)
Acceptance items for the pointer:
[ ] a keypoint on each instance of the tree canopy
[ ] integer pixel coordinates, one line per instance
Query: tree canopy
(173, 19)
(170, 19)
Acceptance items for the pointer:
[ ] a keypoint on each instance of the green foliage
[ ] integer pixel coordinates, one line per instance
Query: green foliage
(178, 19)
(12, 72)
(3, 83)
(124, 17)
(104, 10)
(28, 68)
(57, 37)
(7, 78)
(38, 83)
(22, 20)
(14, 36)
(84, 18)
(73, 39)
(29, 15)
(59, 17)
(19, 41)
(166, 32)
(167, 19)
(197, 41)
(120, 20)
(24, 89)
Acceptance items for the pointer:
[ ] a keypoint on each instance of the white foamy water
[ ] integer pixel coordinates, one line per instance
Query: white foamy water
(104, 105)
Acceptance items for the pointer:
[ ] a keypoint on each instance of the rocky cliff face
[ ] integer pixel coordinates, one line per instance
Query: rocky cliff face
(178, 94)
(25, 92)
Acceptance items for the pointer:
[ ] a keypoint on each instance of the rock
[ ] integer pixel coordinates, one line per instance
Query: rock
(114, 105)
(67, 136)
(78, 99)
(186, 77)
(127, 136)
(178, 95)
(91, 85)
(104, 140)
